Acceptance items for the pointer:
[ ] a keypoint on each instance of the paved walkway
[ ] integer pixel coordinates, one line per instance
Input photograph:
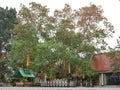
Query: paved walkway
(59, 88)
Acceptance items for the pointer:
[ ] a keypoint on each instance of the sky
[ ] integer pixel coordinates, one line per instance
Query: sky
(110, 7)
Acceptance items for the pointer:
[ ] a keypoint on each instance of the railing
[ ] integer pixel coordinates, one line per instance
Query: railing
(57, 83)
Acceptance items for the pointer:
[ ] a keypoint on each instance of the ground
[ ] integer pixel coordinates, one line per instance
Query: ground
(62, 88)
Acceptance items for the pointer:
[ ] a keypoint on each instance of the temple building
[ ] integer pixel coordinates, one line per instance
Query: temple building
(103, 65)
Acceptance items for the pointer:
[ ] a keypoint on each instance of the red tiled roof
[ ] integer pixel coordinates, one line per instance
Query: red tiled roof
(102, 63)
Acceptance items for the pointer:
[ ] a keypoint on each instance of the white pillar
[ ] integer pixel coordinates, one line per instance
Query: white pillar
(101, 79)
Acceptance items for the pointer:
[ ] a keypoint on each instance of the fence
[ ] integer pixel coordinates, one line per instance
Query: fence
(58, 83)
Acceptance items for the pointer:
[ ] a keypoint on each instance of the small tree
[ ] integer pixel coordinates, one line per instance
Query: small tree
(7, 21)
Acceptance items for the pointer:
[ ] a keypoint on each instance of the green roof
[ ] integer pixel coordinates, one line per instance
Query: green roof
(22, 73)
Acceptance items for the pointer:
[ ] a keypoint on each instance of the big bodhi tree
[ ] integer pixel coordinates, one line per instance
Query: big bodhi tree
(83, 31)
(69, 36)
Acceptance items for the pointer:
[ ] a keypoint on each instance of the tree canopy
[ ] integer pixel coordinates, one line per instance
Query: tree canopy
(69, 37)
(7, 21)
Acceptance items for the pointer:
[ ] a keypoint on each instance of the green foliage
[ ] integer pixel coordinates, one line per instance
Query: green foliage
(70, 36)
(23, 44)
(7, 21)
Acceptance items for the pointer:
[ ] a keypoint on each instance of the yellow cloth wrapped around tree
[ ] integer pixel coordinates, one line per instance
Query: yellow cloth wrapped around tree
(28, 61)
